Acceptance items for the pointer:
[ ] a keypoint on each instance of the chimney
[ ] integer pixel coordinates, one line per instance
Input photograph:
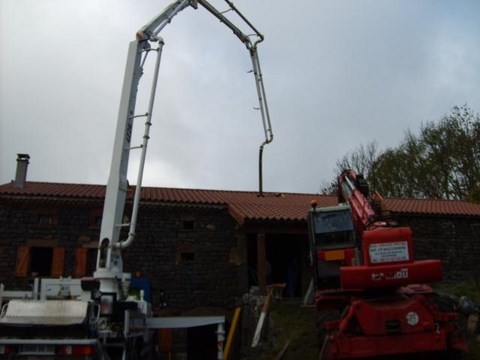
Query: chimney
(22, 165)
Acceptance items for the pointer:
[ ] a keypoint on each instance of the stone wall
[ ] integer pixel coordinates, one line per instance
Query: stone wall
(453, 240)
(197, 255)
(35, 224)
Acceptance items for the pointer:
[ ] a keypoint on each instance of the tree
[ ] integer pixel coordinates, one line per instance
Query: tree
(329, 187)
(451, 154)
(442, 161)
(393, 174)
(362, 160)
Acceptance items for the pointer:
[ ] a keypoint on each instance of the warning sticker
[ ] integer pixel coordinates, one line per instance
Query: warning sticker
(388, 252)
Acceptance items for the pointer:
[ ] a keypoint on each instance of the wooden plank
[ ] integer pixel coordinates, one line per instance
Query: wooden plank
(261, 263)
(261, 320)
(227, 354)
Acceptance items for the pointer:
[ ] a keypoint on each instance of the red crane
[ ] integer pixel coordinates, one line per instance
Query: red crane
(371, 298)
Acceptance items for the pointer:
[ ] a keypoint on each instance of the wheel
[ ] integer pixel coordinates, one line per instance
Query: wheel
(323, 317)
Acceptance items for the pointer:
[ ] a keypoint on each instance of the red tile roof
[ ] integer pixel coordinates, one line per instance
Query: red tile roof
(433, 207)
(243, 205)
(41, 189)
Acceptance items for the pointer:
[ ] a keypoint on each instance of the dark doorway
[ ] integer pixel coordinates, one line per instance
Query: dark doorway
(202, 342)
(41, 260)
(283, 254)
(287, 262)
(252, 260)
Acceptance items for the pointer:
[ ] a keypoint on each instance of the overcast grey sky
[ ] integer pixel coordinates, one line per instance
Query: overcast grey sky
(338, 74)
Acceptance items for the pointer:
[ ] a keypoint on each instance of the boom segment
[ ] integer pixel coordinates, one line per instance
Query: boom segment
(109, 260)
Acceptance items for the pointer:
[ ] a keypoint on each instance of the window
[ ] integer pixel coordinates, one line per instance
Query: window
(188, 225)
(39, 261)
(187, 256)
(96, 218)
(46, 217)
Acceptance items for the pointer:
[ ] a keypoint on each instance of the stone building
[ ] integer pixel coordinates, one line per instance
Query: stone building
(202, 247)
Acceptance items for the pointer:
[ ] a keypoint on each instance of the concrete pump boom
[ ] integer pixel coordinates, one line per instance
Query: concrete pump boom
(109, 262)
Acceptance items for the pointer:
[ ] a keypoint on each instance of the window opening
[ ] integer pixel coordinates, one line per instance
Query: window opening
(45, 219)
(188, 225)
(187, 256)
(41, 261)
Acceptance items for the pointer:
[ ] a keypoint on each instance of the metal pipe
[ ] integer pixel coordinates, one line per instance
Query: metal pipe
(36, 286)
(150, 32)
(260, 36)
(243, 38)
(261, 94)
(260, 171)
(220, 339)
(153, 28)
(262, 100)
(146, 137)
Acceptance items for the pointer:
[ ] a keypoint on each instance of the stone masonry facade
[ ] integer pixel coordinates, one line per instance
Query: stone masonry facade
(453, 240)
(196, 255)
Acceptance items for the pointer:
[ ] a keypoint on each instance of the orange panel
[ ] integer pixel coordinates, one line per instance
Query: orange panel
(333, 255)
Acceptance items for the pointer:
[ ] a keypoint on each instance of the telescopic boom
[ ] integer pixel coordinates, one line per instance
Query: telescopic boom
(109, 260)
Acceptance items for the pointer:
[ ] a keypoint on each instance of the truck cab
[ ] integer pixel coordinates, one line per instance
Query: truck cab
(332, 241)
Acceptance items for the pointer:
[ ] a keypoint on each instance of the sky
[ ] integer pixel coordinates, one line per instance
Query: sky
(337, 74)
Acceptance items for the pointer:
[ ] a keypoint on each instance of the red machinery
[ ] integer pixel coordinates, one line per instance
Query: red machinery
(367, 303)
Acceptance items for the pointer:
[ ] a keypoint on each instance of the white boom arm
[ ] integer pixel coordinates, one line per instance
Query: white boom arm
(109, 261)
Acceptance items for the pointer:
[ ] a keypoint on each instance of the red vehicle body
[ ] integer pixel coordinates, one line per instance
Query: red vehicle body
(371, 298)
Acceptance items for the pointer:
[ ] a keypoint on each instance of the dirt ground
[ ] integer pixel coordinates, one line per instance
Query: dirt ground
(296, 325)
(291, 328)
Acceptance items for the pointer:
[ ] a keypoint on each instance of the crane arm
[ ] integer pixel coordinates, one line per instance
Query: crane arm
(153, 28)
(362, 211)
(252, 47)
(353, 188)
(243, 37)
(109, 261)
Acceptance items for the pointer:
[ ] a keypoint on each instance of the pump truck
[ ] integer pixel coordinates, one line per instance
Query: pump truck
(101, 319)
(371, 297)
